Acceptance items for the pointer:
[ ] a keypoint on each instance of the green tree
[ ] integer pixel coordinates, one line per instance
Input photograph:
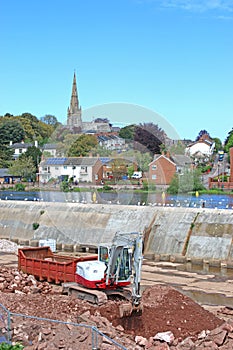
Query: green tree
(188, 181)
(35, 153)
(24, 167)
(229, 141)
(82, 146)
(10, 130)
(50, 120)
(127, 132)
(178, 148)
(218, 144)
(6, 156)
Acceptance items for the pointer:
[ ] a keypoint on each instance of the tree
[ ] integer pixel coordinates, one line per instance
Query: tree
(82, 146)
(178, 148)
(127, 132)
(148, 137)
(218, 144)
(203, 133)
(119, 168)
(49, 120)
(189, 181)
(10, 130)
(6, 156)
(35, 154)
(229, 141)
(24, 167)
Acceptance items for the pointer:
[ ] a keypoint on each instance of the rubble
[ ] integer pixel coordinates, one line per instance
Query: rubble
(14, 281)
(170, 320)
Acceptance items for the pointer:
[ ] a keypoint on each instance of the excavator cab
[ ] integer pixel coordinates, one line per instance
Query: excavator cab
(122, 264)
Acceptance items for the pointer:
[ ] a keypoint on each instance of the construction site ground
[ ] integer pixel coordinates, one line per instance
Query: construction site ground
(185, 303)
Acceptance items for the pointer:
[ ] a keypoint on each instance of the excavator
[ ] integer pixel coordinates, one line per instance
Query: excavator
(116, 273)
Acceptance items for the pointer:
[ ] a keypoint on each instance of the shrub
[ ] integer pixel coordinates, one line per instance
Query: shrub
(5, 346)
(65, 186)
(35, 225)
(20, 187)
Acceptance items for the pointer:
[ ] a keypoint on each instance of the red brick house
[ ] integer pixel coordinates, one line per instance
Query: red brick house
(163, 168)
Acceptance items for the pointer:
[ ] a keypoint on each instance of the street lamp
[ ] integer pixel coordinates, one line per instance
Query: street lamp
(218, 175)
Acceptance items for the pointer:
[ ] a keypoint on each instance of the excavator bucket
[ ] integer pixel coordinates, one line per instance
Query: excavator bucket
(127, 310)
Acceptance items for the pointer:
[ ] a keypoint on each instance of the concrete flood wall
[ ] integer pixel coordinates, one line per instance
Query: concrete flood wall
(183, 232)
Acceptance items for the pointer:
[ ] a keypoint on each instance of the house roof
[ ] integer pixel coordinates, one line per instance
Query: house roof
(4, 172)
(157, 156)
(86, 161)
(49, 146)
(21, 145)
(54, 161)
(180, 159)
(207, 142)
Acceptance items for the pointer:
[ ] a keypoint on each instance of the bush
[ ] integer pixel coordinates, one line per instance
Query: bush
(107, 188)
(5, 346)
(35, 225)
(20, 187)
(65, 186)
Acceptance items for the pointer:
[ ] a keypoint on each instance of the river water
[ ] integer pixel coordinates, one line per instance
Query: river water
(221, 201)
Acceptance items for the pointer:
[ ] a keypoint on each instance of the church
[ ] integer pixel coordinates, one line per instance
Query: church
(74, 116)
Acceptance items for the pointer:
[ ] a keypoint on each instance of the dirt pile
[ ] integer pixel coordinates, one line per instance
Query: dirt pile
(178, 322)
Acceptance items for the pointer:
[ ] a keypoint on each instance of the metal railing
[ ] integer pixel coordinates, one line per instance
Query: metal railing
(6, 317)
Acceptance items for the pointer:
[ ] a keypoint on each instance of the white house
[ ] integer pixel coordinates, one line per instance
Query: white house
(79, 169)
(111, 142)
(201, 149)
(50, 148)
(21, 147)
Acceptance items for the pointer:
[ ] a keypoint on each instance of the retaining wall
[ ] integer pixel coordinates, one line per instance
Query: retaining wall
(170, 233)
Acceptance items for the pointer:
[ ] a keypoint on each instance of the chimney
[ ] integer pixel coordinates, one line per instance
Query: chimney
(36, 143)
(11, 143)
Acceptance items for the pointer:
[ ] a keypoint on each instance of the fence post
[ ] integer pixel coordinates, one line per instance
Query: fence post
(6, 324)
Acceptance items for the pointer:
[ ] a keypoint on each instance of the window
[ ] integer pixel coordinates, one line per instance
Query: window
(154, 177)
(83, 169)
(65, 167)
(154, 167)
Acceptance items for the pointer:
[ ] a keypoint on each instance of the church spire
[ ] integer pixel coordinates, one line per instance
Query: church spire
(74, 111)
(74, 102)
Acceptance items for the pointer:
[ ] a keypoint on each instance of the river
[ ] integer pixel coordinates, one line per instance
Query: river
(222, 201)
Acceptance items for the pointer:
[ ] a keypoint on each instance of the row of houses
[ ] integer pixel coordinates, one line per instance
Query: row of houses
(198, 150)
(110, 142)
(96, 169)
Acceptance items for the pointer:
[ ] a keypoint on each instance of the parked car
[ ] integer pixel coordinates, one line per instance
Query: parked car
(137, 175)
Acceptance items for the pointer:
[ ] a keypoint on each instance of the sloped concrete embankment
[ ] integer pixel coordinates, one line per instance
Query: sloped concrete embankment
(188, 232)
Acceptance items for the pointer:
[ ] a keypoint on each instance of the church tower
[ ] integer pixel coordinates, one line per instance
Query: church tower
(74, 112)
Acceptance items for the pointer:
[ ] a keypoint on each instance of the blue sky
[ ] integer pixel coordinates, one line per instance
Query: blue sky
(173, 57)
